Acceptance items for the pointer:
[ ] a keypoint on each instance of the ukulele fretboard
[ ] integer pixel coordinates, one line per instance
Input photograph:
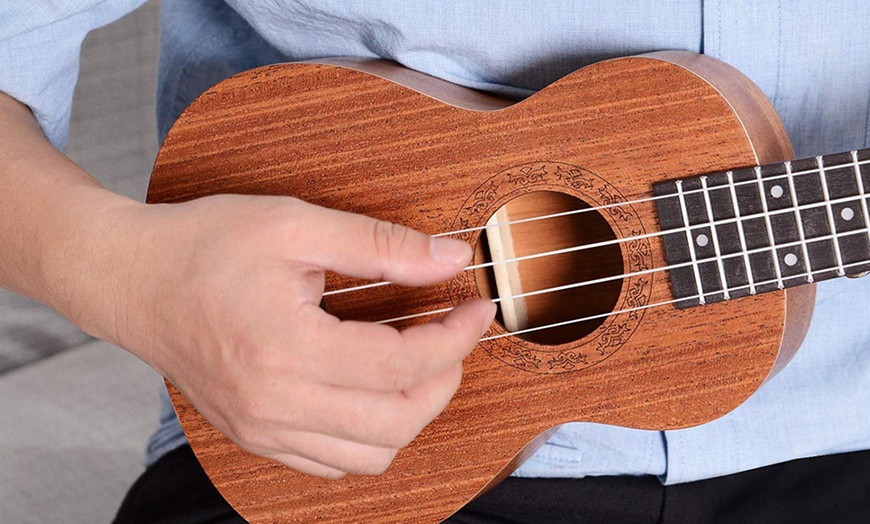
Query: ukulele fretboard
(760, 229)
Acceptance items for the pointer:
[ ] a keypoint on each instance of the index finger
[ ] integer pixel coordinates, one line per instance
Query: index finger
(379, 357)
(364, 247)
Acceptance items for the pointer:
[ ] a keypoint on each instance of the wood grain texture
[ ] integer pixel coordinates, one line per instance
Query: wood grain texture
(341, 138)
(770, 143)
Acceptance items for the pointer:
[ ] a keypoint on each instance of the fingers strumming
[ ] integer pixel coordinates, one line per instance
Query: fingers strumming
(376, 418)
(377, 356)
(365, 247)
(339, 454)
(309, 467)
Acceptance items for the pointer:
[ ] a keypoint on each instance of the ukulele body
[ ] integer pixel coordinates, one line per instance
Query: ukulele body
(410, 149)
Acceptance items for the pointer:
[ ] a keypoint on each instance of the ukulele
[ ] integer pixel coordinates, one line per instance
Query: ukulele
(648, 272)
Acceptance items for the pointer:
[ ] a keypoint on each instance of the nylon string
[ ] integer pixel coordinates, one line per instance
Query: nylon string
(616, 241)
(602, 280)
(650, 306)
(789, 174)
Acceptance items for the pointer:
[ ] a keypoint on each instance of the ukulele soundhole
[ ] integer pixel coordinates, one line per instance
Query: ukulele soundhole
(534, 292)
(596, 318)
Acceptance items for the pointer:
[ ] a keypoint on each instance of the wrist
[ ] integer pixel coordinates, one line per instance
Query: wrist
(64, 239)
(88, 259)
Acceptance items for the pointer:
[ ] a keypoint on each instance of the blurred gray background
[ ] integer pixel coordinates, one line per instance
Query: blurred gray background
(75, 413)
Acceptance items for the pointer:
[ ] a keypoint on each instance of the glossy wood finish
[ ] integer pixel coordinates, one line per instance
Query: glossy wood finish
(344, 139)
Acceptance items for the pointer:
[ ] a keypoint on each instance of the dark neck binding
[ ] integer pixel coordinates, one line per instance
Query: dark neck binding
(759, 229)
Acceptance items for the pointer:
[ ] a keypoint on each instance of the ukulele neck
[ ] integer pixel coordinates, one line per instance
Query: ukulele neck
(758, 229)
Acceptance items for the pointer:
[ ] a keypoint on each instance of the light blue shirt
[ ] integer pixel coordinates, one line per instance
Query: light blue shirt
(811, 58)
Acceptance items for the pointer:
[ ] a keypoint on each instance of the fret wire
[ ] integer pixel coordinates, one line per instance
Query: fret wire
(715, 236)
(612, 278)
(626, 203)
(800, 222)
(605, 243)
(856, 163)
(862, 191)
(830, 211)
(773, 252)
(695, 267)
(744, 248)
(620, 204)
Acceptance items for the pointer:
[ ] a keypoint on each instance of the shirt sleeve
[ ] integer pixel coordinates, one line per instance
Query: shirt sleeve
(40, 44)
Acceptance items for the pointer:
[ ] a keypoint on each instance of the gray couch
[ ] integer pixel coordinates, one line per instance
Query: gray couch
(75, 413)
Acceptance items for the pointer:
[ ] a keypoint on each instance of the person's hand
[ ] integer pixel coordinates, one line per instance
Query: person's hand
(222, 297)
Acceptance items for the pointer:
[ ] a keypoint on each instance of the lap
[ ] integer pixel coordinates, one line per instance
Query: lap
(824, 489)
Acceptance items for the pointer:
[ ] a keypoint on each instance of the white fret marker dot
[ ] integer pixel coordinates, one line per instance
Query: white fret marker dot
(776, 191)
(847, 213)
(702, 240)
(791, 259)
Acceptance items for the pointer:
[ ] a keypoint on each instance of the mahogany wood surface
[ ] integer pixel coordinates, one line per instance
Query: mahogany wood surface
(341, 138)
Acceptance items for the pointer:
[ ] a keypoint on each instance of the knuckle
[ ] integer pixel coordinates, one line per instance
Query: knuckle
(331, 474)
(375, 462)
(304, 466)
(266, 356)
(389, 430)
(389, 239)
(257, 413)
(247, 438)
(255, 356)
(357, 425)
(269, 358)
(399, 370)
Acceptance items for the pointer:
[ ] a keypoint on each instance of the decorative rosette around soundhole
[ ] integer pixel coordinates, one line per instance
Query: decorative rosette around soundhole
(597, 296)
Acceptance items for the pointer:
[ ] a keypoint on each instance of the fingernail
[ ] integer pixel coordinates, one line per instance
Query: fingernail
(449, 250)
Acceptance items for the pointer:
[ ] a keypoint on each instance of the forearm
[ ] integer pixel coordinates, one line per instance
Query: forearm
(59, 229)
(221, 295)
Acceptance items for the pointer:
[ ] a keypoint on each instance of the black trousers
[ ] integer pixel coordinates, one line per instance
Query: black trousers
(831, 489)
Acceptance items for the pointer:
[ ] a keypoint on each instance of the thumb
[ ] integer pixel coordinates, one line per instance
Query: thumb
(364, 247)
